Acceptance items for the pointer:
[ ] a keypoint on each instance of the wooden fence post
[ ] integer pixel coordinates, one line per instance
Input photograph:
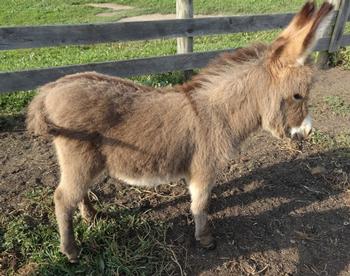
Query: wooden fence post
(338, 30)
(184, 10)
(343, 8)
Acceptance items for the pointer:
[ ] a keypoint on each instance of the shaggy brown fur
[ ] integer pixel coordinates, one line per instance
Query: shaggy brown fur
(147, 136)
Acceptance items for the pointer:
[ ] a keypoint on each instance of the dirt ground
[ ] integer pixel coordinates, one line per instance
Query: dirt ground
(158, 16)
(145, 17)
(275, 211)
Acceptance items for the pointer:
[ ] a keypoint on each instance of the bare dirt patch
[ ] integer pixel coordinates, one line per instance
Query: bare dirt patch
(145, 17)
(157, 16)
(333, 83)
(271, 213)
(111, 6)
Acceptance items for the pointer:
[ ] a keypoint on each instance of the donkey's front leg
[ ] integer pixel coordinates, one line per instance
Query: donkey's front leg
(200, 191)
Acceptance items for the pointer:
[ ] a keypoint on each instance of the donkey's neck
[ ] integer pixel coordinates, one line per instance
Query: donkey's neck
(228, 105)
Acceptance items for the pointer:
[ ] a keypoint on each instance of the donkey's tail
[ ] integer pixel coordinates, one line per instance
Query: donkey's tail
(36, 120)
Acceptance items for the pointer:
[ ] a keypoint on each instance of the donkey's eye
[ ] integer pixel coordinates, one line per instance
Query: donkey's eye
(297, 97)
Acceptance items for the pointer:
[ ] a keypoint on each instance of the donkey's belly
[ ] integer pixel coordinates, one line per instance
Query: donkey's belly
(147, 181)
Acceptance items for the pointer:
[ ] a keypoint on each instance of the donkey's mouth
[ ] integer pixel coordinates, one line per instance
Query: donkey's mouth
(303, 131)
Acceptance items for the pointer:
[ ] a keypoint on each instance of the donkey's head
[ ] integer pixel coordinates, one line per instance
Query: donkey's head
(284, 112)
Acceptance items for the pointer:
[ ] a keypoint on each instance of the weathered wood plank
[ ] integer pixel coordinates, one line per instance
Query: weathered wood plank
(30, 79)
(44, 36)
(338, 30)
(345, 40)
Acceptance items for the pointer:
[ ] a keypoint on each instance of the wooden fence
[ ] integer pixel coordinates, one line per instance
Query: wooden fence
(44, 36)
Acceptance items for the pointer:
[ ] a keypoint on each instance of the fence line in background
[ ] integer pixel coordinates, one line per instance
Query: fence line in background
(44, 36)
(30, 79)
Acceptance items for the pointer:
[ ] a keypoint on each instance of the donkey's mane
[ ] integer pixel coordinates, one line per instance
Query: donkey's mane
(221, 63)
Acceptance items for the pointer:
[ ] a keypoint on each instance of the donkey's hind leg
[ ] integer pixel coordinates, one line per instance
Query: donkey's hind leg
(87, 211)
(200, 190)
(79, 164)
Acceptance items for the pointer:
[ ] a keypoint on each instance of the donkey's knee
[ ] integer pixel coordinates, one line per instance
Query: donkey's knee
(200, 196)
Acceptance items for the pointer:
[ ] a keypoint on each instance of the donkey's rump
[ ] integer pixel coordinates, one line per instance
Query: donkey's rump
(87, 102)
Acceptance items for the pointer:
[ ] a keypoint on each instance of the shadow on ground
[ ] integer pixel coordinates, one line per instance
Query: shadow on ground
(279, 219)
(275, 220)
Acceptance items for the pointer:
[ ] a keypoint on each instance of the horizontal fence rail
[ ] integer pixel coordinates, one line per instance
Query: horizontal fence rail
(45, 36)
(23, 80)
(30, 79)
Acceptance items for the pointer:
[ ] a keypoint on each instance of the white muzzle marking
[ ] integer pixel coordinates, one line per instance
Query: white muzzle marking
(304, 130)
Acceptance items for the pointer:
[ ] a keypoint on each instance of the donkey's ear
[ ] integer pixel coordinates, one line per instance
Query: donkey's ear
(300, 19)
(296, 42)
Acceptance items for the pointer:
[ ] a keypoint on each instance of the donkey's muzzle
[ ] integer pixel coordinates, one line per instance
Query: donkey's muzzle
(303, 131)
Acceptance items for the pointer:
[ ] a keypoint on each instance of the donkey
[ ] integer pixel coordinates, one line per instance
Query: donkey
(147, 136)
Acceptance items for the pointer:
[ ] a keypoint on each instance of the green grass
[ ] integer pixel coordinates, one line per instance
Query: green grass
(44, 12)
(341, 58)
(329, 142)
(124, 244)
(339, 142)
(14, 102)
(338, 105)
(38, 12)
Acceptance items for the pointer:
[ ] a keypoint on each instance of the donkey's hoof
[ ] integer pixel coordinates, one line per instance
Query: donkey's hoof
(209, 246)
(208, 242)
(72, 253)
(73, 260)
